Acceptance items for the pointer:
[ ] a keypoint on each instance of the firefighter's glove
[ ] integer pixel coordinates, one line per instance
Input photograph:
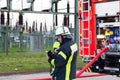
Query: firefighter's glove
(49, 54)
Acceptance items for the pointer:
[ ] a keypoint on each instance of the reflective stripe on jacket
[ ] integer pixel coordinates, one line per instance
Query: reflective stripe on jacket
(65, 63)
(56, 44)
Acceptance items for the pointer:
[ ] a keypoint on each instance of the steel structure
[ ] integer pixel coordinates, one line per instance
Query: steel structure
(8, 10)
(36, 12)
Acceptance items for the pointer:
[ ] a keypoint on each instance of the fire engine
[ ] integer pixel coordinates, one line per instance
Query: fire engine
(99, 26)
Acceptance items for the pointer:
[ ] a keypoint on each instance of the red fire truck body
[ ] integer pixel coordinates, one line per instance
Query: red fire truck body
(99, 26)
(87, 33)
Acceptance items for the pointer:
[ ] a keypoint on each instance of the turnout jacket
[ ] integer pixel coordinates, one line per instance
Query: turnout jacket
(65, 62)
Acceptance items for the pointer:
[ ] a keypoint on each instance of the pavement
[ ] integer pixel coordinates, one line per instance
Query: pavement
(46, 75)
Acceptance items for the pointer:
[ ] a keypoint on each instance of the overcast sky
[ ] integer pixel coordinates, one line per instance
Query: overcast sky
(38, 6)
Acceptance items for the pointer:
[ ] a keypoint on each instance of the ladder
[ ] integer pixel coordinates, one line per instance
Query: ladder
(86, 33)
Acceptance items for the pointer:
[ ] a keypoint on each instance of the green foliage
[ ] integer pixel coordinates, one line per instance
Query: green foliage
(80, 63)
(27, 61)
(17, 62)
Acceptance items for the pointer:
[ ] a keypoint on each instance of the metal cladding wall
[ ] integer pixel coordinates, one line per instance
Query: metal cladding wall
(36, 42)
(110, 8)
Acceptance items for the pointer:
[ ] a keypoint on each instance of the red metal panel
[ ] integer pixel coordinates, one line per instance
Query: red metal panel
(104, 0)
(92, 32)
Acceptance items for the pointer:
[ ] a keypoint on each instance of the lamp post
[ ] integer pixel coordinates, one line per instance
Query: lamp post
(9, 4)
(76, 21)
(20, 29)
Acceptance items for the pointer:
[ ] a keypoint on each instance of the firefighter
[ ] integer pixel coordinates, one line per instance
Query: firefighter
(65, 60)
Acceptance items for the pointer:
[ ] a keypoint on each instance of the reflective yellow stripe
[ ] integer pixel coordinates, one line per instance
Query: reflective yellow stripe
(73, 48)
(63, 55)
(67, 77)
(89, 70)
(52, 62)
(53, 68)
(56, 44)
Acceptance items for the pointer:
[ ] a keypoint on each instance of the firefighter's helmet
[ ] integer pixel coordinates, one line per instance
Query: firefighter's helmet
(63, 31)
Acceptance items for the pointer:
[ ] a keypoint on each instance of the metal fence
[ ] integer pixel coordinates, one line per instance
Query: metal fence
(19, 41)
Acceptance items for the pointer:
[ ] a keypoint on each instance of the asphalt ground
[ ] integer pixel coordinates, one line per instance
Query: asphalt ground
(46, 75)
